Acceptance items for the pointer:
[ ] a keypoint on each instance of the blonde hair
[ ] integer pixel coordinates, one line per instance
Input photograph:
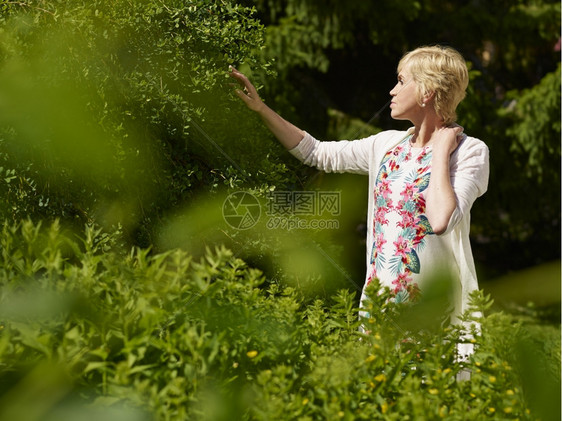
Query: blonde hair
(442, 71)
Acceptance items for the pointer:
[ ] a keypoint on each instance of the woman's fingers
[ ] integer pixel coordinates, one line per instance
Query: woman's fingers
(242, 80)
(447, 139)
(240, 77)
(248, 92)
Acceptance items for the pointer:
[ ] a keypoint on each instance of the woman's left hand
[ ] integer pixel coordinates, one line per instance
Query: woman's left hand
(447, 139)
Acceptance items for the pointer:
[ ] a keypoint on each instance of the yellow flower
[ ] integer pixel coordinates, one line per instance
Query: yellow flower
(491, 410)
(492, 379)
(508, 410)
(369, 358)
(447, 371)
(252, 354)
(341, 414)
(377, 337)
(305, 401)
(509, 392)
(380, 378)
(384, 407)
(433, 391)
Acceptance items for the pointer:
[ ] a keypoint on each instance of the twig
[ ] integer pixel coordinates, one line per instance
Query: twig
(22, 4)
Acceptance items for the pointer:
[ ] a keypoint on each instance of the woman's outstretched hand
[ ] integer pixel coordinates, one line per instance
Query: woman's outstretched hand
(248, 92)
(288, 134)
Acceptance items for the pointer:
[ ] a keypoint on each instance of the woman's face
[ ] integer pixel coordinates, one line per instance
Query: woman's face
(404, 104)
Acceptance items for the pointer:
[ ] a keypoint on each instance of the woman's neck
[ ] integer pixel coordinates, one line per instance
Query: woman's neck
(424, 132)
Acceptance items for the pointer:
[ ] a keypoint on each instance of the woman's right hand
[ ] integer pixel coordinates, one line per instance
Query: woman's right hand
(248, 92)
(288, 134)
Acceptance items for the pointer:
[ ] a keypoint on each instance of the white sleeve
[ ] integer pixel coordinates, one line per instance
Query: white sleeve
(339, 156)
(470, 169)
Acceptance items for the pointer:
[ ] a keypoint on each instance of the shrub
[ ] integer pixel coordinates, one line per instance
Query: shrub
(89, 328)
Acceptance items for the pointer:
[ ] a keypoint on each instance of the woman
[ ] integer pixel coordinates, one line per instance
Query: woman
(422, 182)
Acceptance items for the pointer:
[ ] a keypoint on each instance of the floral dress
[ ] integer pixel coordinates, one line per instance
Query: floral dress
(400, 227)
(408, 257)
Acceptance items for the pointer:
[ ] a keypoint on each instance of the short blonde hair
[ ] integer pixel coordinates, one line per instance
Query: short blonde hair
(441, 70)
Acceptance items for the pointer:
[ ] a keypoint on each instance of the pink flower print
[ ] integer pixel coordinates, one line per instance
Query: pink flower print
(383, 175)
(379, 241)
(397, 150)
(421, 231)
(383, 188)
(420, 204)
(408, 191)
(408, 220)
(372, 275)
(393, 165)
(421, 156)
(402, 281)
(408, 156)
(380, 216)
(402, 247)
(420, 234)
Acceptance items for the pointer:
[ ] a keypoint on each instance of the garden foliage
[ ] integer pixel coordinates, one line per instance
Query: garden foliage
(89, 329)
(119, 114)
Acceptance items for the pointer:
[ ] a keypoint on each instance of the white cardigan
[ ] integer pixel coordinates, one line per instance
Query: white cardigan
(469, 169)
